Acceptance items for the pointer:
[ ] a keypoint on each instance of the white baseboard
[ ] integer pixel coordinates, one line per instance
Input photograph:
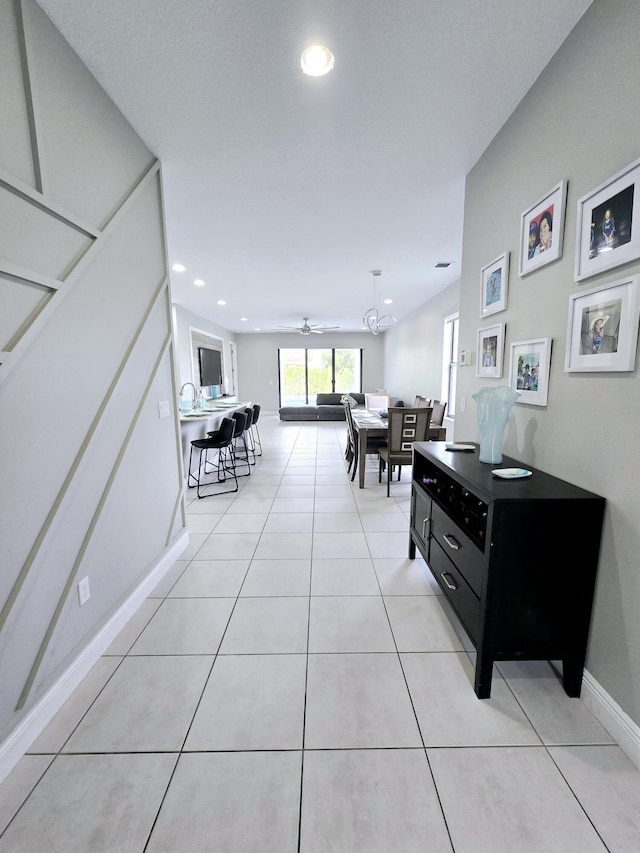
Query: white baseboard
(619, 725)
(30, 727)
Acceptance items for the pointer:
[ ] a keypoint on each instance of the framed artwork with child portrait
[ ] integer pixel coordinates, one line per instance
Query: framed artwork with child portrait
(490, 349)
(494, 286)
(608, 224)
(542, 230)
(602, 333)
(529, 366)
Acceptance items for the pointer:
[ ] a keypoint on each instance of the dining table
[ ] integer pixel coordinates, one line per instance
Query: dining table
(370, 424)
(367, 425)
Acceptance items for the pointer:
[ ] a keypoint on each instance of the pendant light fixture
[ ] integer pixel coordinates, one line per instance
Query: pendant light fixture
(372, 320)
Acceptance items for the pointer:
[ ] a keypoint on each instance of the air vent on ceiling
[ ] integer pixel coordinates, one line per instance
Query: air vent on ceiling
(443, 264)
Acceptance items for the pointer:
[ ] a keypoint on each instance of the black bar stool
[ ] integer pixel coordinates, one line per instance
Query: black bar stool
(251, 448)
(240, 453)
(222, 441)
(255, 434)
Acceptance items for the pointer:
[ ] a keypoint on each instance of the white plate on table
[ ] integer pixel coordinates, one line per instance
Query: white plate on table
(511, 473)
(467, 447)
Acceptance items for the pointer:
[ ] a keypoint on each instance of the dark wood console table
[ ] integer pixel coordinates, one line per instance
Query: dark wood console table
(516, 559)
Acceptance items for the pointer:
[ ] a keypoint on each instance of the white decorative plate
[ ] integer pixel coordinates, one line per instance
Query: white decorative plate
(512, 473)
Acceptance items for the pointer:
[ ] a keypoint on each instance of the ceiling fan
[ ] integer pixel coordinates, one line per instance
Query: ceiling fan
(308, 329)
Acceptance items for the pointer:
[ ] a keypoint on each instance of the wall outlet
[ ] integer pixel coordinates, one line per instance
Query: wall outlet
(163, 409)
(83, 591)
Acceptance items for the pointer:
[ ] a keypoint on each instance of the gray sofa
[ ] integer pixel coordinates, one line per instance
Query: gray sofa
(327, 408)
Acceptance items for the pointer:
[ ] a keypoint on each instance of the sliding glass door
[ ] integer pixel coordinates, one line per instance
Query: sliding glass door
(307, 372)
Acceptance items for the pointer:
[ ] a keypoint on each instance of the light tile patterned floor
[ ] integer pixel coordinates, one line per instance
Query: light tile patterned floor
(295, 683)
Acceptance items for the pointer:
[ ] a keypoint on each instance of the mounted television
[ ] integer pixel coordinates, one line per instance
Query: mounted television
(210, 366)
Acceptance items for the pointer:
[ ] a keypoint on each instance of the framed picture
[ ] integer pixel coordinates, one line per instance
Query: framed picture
(602, 333)
(542, 230)
(490, 349)
(608, 224)
(494, 286)
(529, 370)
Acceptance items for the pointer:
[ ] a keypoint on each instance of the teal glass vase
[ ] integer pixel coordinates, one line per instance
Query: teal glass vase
(493, 410)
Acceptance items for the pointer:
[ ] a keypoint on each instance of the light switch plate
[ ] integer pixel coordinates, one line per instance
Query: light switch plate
(83, 591)
(163, 409)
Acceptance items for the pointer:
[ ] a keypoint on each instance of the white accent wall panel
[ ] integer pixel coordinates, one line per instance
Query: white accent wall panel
(90, 476)
(58, 248)
(15, 144)
(91, 157)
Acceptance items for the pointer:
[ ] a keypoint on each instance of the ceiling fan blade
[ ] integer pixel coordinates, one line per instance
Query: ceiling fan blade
(317, 331)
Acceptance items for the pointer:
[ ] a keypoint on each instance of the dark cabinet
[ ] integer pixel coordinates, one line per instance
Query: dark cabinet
(516, 558)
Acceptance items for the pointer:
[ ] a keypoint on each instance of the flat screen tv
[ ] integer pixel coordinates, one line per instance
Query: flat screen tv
(210, 366)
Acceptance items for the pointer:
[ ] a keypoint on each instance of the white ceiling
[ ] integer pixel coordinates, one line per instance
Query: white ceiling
(284, 191)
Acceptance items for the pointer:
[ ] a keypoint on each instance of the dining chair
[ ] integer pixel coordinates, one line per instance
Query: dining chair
(405, 427)
(351, 449)
(436, 430)
(374, 443)
(421, 402)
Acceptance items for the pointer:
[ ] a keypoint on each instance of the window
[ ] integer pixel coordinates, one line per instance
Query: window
(306, 372)
(449, 363)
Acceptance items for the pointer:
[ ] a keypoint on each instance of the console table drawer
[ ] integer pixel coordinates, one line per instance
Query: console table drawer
(464, 601)
(455, 543)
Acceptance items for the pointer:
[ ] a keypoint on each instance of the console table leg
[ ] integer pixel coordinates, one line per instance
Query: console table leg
(412, 548)
(484, 674)
(572, 678)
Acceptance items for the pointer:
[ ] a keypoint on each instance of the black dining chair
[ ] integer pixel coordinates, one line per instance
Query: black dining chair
(220, 441)
(405, 427)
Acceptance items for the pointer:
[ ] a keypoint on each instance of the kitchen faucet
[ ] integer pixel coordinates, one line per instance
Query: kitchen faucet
(194, 393)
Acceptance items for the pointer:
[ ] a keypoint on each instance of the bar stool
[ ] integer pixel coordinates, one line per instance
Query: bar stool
(240, 435)
(248, 436)
(220, 440)
(255, 434)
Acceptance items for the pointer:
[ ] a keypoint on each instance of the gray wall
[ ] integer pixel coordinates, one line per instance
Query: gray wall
(90, 474)
(183, 322)
(579, 122)
(413, 348)
(258, 361)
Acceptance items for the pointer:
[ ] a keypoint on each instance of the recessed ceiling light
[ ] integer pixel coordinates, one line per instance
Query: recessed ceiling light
(198, 282)
(388, 301)
(178, 268)
(317, 60)
(221, 302)
(243, 319)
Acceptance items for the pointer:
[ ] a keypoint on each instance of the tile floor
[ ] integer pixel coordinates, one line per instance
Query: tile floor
(295, 683)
